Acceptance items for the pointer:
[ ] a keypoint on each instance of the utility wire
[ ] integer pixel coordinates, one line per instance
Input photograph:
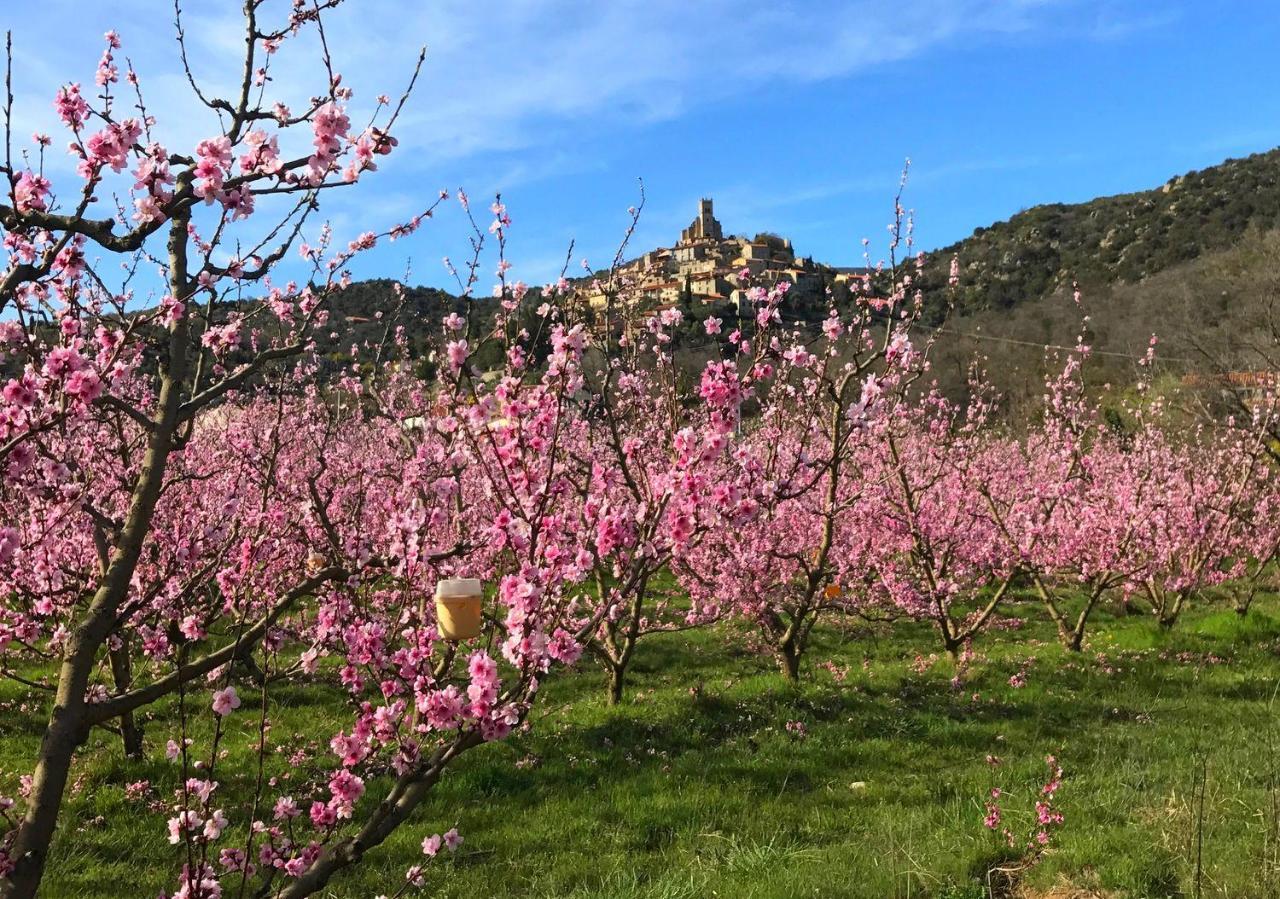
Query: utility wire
(1051, 346)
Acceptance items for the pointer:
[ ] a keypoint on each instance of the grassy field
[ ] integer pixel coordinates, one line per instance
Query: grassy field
(694, 787)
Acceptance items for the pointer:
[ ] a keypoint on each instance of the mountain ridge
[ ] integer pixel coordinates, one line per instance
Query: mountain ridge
(1117, 239)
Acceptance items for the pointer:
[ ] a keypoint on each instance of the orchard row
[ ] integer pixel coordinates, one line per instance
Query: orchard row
(191, 516)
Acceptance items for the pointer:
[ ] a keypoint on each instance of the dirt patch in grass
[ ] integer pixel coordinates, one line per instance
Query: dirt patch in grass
(1065, 890)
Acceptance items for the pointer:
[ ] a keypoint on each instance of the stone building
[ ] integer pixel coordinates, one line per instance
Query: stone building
(704, 227)
(707, 269)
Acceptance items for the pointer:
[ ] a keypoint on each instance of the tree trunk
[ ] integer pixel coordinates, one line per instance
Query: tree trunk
(248, 666)
(405, 796)
(1076, 642)
(1170, 610)
(1244, 599)
(66, 730)
(789, 660)
(1073, 638)
(67, 727)
(122, 674)
(617, 680)
(620, 643)
(951, 642)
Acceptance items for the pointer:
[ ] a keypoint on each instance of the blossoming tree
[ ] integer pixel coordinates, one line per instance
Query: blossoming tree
(109, 394)
(647, 489)
(800, 543)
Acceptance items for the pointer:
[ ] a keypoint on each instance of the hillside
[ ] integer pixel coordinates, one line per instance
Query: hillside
(368, 312)
(1195, 262)
(1120, 239)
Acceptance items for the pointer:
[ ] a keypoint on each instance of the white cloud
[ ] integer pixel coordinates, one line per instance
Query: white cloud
(512, 88)
(503, 75)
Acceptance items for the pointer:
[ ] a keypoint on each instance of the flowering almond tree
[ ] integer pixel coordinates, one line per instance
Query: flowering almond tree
(1079, 543)
(479, 496)
(1068, 500)
(1259, 543)
(107, 395)
(940, 551)
(799, 543)
(647, 489)
(1198, 532)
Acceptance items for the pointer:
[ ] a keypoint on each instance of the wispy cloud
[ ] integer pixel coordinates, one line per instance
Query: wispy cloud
(504, 75)
(520, 91)
(1115, 25)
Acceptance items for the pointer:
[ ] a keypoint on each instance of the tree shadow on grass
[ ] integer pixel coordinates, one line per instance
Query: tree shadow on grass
(738, 740)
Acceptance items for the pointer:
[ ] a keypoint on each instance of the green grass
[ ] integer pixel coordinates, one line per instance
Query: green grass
(701, 792)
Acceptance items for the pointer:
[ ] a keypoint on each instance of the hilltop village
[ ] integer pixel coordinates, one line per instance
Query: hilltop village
(706, 271)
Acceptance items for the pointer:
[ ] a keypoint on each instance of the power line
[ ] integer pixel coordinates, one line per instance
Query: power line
(1052, 346)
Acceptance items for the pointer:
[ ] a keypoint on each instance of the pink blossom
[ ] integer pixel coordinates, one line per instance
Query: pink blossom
(184, 822)
(31, 191)
(225, 701)
(213, 162)
(456, 351)
(71, 107)
(9, 543)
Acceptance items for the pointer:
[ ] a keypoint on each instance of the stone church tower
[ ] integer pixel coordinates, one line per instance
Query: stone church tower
(704, 227)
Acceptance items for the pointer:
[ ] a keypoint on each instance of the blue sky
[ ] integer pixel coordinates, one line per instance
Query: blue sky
(795, 116)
